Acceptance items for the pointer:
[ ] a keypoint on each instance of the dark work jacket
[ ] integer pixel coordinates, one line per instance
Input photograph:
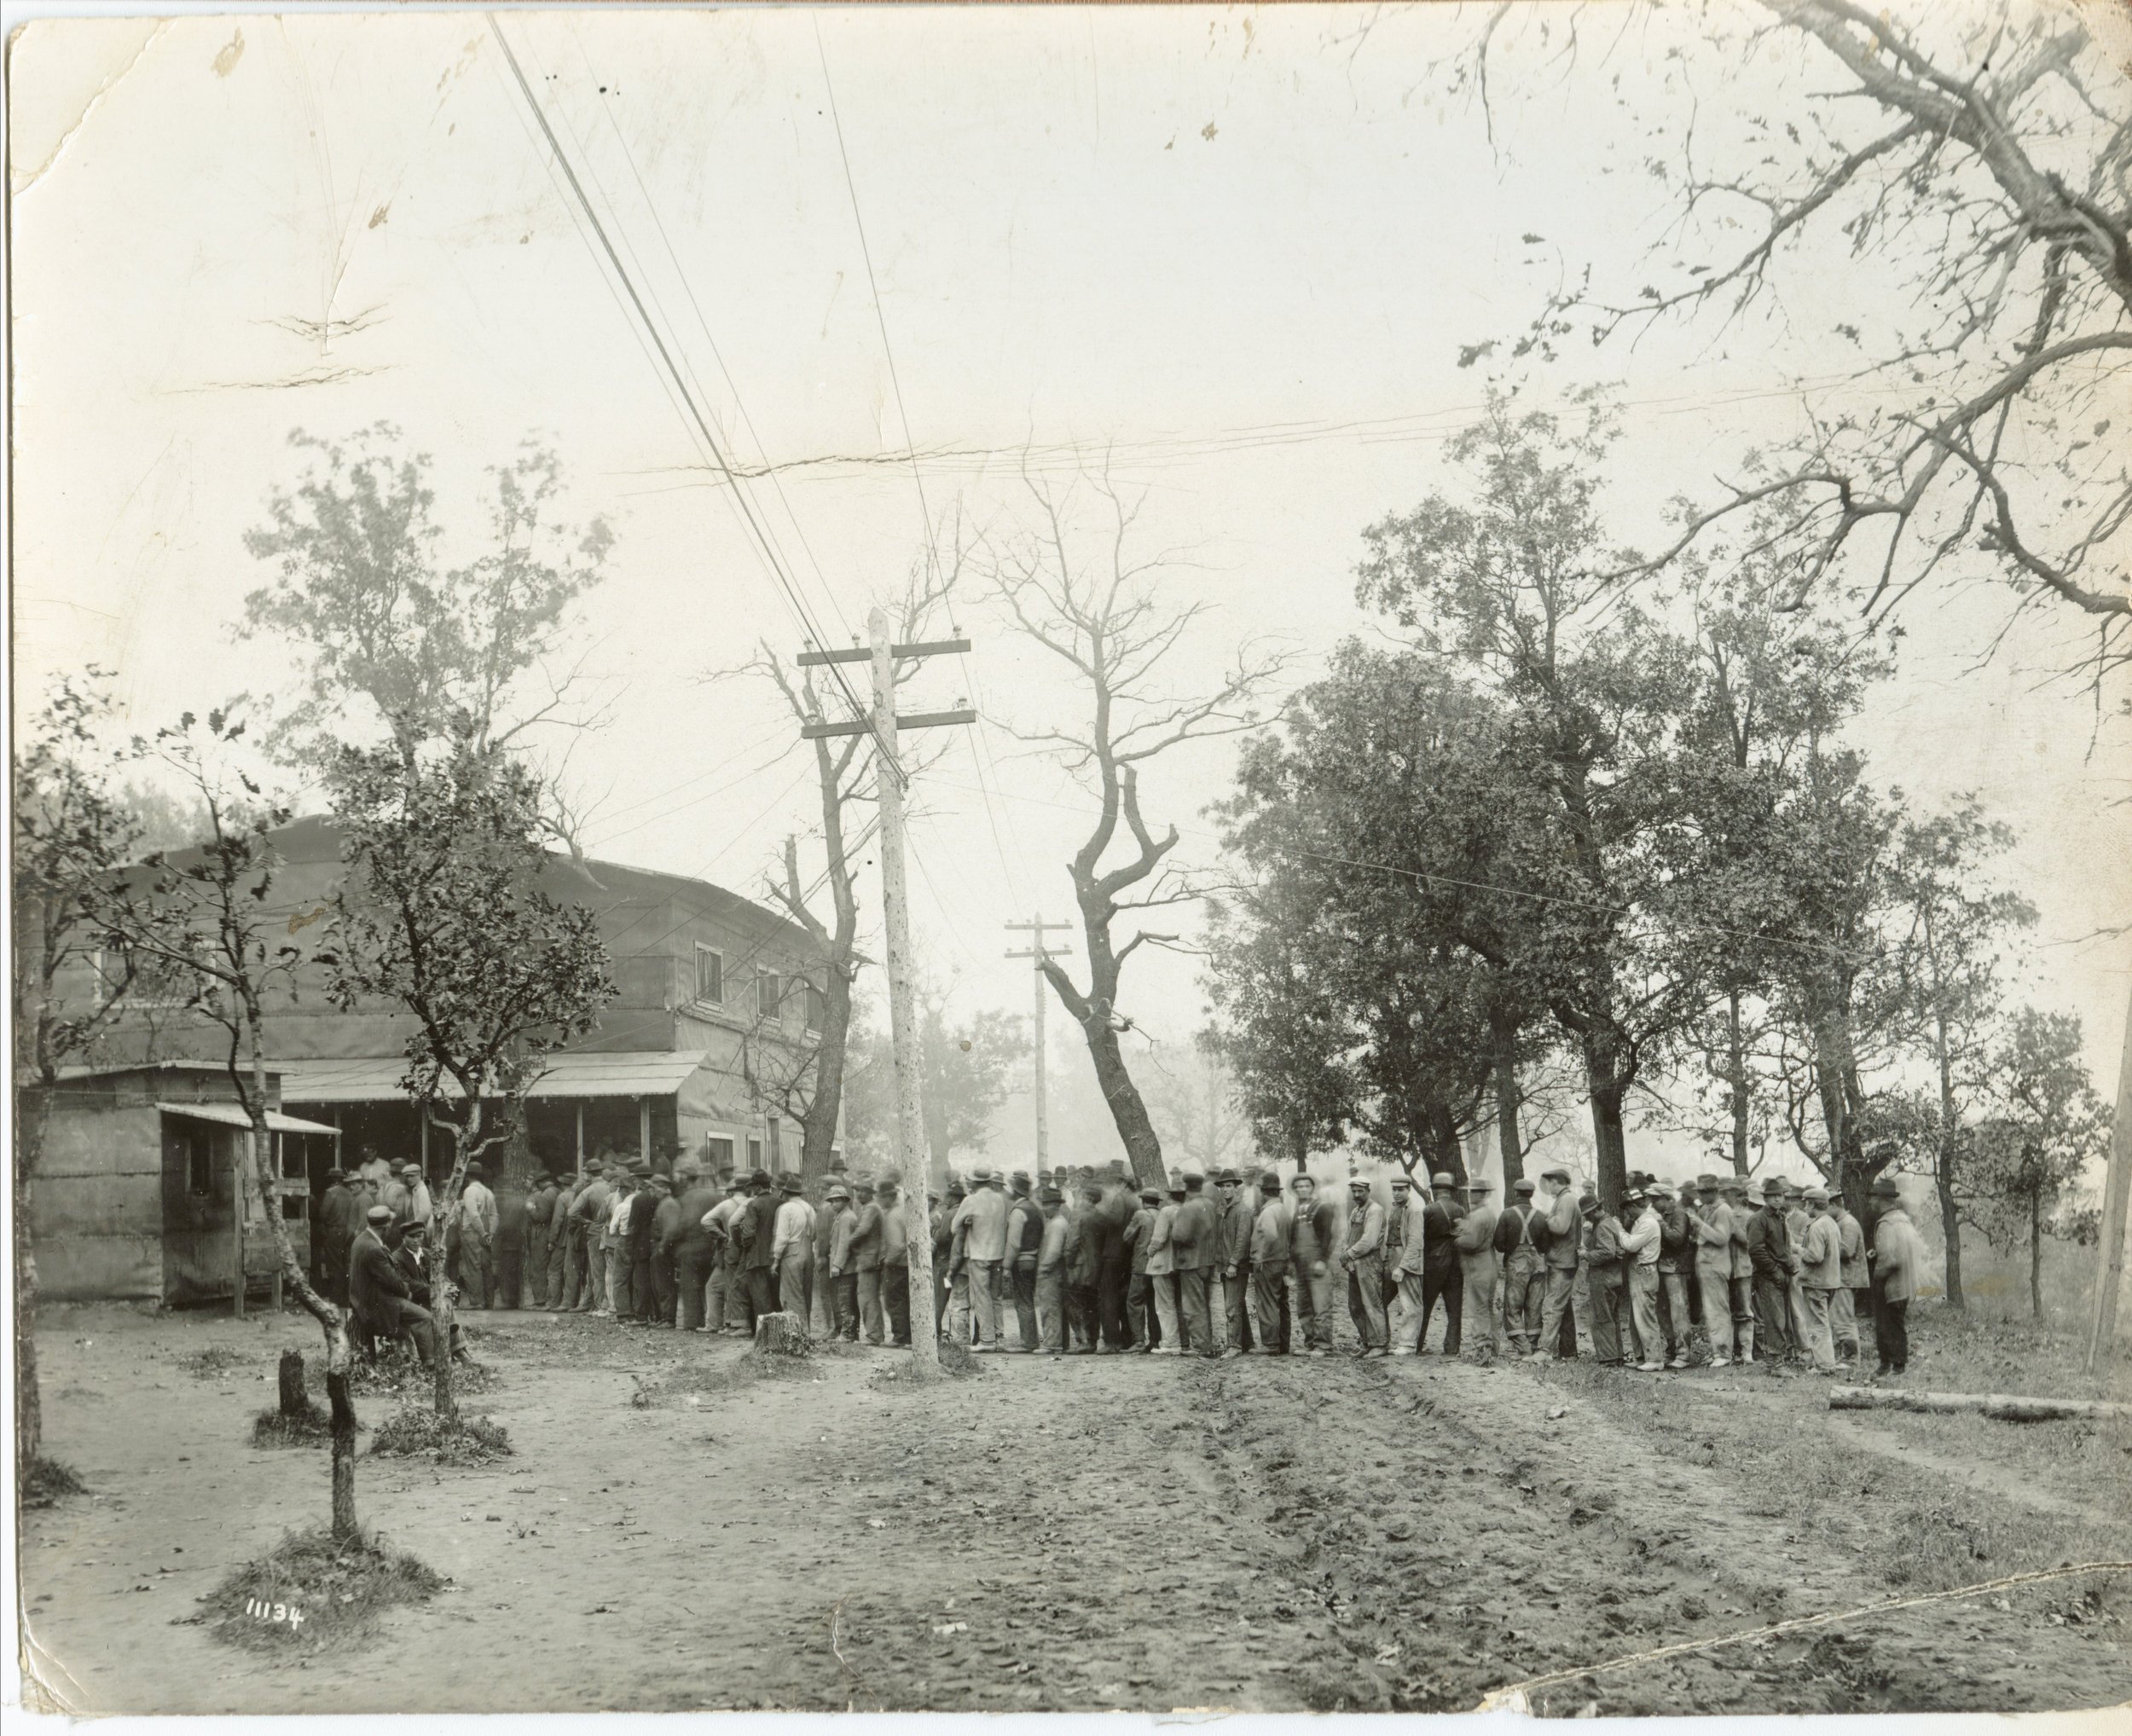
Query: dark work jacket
(1107, 1221)
(337, 1221)
(644, 1205)
(1770, 1245)
(511, 1220)
(690, 1237)
(373, 1280)
(1192, 1234)
(757, 1224)
(1440, 1223)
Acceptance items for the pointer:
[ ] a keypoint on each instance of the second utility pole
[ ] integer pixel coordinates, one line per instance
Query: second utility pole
(1039, 951)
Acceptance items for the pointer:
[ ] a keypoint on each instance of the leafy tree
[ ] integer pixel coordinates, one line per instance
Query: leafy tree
(2046, 1124)
(71, 831)
(1079, 592)
(389, 637)
(442, 912)
(199, 915)
(970, 1067)
(1950, 925)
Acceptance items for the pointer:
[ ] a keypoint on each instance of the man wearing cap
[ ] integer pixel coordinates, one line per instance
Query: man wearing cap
(1272, 1239)
(1475, 1239)
(477, 1238)
(1898, 1259)
(1820, 1275)
(1083, 1324)
(639, 1236)
(1048, 1284)
(1710, 1223)
(1026, 1218)
(722, 1303)
(1140, 1231)
(379, 1292)
(1605, 1265)
(334, 1236)
(1843, 1318)
(1161, 1270)
(1740, 1204)
(540, 1222)
(867, 1236)
(821, 1298)
(694, 1249)
(1443, 1279)
(982, 1219)
(1559, 1250)
(1639, 1248)
(1676, 1263)
(840, 1282)
(1796, 1219)
(1360, 1254)
(510, 1227)
(1314, 1232)
(1770, 1250)
(1114, 1260)
(899, 1224)
(1233, 1262)
(1192, 1241)
(754, 1231)
(1524, 1271)
(586, 1222)
(792, 1246)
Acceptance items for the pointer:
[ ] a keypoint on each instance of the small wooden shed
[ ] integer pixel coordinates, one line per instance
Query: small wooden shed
(136, 1196)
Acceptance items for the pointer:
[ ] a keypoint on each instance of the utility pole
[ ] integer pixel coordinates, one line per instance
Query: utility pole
(2110, 1274)
(1039, 949)
(896, 911)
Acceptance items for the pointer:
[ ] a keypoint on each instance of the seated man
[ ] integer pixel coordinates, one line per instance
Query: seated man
(379, 1289)
(412, 1259)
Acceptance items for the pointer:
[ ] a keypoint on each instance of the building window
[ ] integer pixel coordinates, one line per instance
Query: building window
(816, 1008)
(721, 1152)
(777, 1145)
(755, 1154)
(769, 993)
(710, 976)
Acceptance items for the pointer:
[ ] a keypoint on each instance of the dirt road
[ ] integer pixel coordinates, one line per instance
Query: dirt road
(1091, 1533)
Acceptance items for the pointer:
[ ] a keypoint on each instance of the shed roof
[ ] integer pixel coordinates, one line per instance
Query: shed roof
(647, 1073)
(229, 1116)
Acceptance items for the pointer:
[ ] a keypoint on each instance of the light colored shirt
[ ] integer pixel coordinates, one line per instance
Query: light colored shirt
(618, 1212)
(1821, 1255)
(478, 1212)
(1051, 1253)
(985, 1214)
(794, 1223)
(1712, 1226)
(1365, 1230)
(1640, 1240)
(1160, 1259)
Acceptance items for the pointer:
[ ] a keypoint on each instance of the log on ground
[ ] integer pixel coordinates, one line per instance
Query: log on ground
(2007, 1407)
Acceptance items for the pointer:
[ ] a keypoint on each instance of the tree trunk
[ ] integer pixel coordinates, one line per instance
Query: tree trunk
(296, 1403)
(2006, 1406)
(338, 1355)
(1609, 1136)
(1144, 1147)
(32, 1108)
(1447, 1154)
(2036, 1254)
(1507, 1099)
(1943, 1159)
(1736, 1081)
(818, 1127)
(782, 1335)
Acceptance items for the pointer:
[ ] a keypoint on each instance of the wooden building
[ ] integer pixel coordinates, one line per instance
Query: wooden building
(136, 1194)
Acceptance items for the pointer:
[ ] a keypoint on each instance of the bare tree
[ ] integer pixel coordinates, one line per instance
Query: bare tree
(1106, 615)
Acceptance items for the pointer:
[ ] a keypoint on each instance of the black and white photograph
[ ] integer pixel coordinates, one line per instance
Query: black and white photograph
(815, 809)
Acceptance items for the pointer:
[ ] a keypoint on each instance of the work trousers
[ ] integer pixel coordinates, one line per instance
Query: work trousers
(821, 1304)
(534, 1294)
(1820, 1345)
(1047, 1297)
(1236, 1295)
(1772, 1317)
(1650, 1336)
(643, 1284)
(721, 1294)
(1140, 1311)
(1448, 1283)
(663, 1288)
(1741, 1286)
(1313, 1306)
(894, 1289)
(1672, 1289)
(599, 1269)
(1269, 1304)
(1166, 1333)
(1715, 1283)
(1082, 1322)
(1217, 1312)
(692, 1278)
(958, 1305)
(477, 1271)
(1843, 1322)
(1555, 1307)
(794, 1273)
(1366, 1302)
(1524, 1297)
(1478, 1272)
(984, 1301)
(1607, 1293)
(759, 1295)
(1191, 1310)
(397, 1314)
(843, 1306)
(1795, 1298)
(566, 1264)
(1890, 1331)
(1405, 1330)
(1114, 1281)
(1027, 1310)
(510, 1274)
(869, 1324)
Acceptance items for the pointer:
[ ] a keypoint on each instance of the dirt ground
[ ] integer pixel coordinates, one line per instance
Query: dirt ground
(1093, 1533)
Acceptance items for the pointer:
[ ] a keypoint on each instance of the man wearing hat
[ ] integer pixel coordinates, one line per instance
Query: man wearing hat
(869, 1213)
(1843, 1317)
(1740, 1204)
(394, 1195)
(754, 1233)
(898, 1227)
(1161, 1270)
(1796, 1219)
(1048, 1281)
(1232, 1262)
(1524, 1270)
(1604, 1267)
(792, 1246)
(1139, 1301)
(983, 1218)
(1360, 1255)
(511, 1226)
(725, 1298)
(477, 1227)
(1026, 1218)
(541, 1196)
(1407, 1226)
(666, 1225)
(379, 1293)
(1442, 1277)
(693, 1252)
(821, 1301)
(1676, 1265)
(1475, 1239)
(1898, 1261)
(334, 1236)
(1314, 1233)
(1560, 1213)
(1709, 1224)
(1272, 1241)
(1639, 1248)
(374, 1170)
(584, 1224)
(1770, 1251)
(951, 1284)
(1114, 1259)
(1193, 1246)
(1820, 1275)
(1083, 1325)
(838, 1286)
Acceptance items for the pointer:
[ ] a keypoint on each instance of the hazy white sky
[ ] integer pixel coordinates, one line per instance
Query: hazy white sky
(1237, 251)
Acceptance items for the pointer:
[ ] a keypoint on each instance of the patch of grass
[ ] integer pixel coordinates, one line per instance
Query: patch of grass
(312, 1594)
(411, 1432)
(272, 1428)
(397, 1372)
(48, 1482)
(213, 1362)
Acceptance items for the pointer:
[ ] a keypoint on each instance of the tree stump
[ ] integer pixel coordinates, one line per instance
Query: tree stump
(296, 1403)
(780, 1335)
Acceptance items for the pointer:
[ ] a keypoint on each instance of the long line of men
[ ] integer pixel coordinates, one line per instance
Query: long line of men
(1085, 1262)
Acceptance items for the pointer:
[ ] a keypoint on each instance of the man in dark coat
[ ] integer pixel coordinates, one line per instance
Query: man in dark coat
(511, 1233)
(540, 1217)
(1441, 1274)
(381, 1293)
(753, 1228)
(637, 1243)
(1114, 1259)
(339, 1224)
(695, 1247)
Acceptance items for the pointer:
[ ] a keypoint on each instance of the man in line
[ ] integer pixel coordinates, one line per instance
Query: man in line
(394, 1196)
(894, 1285)
(1273, 1236)
(1710, 1224)
(477, 1238)
(1162, 1271)
(666, 1219)
(1559, 1250)
(1140, 1312)
(338, 1227)
(1898, 1257)
(1408, 1226)
(1314, 1231)
(821, 1289)
(1639, 1247)
(1232, 1261)
(864, 1257)
(511, 1232)
(375, 1172)
(588, 1215)
(1770, 1251)
(1192, 1236)
(1740, 1204)
(419, 1209)
(1048, 1281)
(1856, 1276)
(947, 1257)
(1475, 1239)
(792, 1247)
(638, 1236)
(1820, 1275)
(694, 1250)
(754, 1239)
(1604, 1259)
(1796, 1219)
(1082, 1318)
(377, 1290)
(1114, 1260)
(725, 1302)
(984, 1220)
(1675, 1262)
(620, 1299)
(540, 1227)
(1524, 1270)
(1026, 1216)
(1361, 1254)
(1442, 1276)
(841, 1281)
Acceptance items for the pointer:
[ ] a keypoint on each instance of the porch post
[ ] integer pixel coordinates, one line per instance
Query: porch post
(644, 1131)
(581, 1141)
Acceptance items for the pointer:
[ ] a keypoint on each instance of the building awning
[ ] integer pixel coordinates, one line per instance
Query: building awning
(229, 1116)
(649, 1072)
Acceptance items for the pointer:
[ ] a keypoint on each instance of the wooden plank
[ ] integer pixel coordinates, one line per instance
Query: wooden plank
(861, 654)
(923, 720)
(2007, 1407)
